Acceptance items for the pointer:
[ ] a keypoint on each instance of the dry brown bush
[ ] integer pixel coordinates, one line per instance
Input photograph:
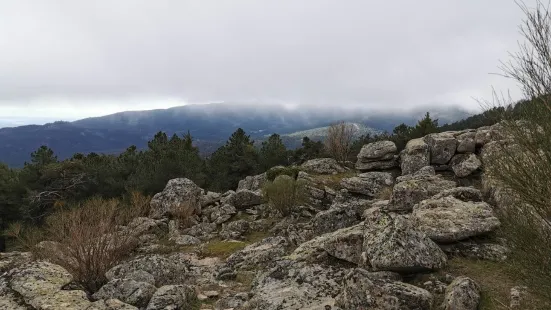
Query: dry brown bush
(338, 142)
(521, 168)
(87, 240)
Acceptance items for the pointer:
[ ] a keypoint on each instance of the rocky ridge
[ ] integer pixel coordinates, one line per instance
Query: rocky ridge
(354, 247)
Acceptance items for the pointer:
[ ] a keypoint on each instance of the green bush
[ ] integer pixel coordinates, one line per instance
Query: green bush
(274, 172)
(284, 193)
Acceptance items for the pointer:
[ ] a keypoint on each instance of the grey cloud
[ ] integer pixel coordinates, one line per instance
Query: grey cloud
(382, 54)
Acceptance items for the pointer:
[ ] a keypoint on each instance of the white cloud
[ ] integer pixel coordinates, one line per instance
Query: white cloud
(71, 59)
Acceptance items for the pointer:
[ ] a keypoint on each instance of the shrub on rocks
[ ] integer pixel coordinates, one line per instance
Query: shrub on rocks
(284, 193)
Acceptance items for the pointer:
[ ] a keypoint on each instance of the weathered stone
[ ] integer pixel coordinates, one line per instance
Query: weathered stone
(363, 291)
(392, 243)
(209, 198)
(296, 285)
(449, 219)
(369, 183)
(126, 290)
(465, 164)
(322, 166)
(462, 294)
(234, 230)
(345, 244)
(261, 254)
(466, 142)
(165, 269)
(38, 278)
(144, 225)
(479, 251)
(442, 147)
(173, 297)
(245, 198)
(222, 214)
(10, 260)
(337, 217)
(185, 240)
(461, 193)
(377, 151)
(231, 302)
(412, 189)
(203, 231)
(177, 193)
(377, 165)
(415, 156)
(252, 183)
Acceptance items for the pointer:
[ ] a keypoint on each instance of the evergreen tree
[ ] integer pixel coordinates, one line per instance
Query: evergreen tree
(11, 201)
(401, 135)
(232, 162)
(272, 153)
(425, 126)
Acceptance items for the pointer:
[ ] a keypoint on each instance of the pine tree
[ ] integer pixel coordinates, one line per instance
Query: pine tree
(272, 153)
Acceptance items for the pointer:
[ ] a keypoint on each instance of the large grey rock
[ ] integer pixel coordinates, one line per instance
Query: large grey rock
(261, 254)
(363, 290)
(203, 231)
(411, 189)
(210, 198)
(377, 151)
(345, 244)
(336, 217)
(322, 166)
(392, 243)
(465, 164)
(222, 214)
(165, 269)
(369, 183)
(488, 134)
(295, 285)
(144, 225)
(415, 156)
(252, 183)
(177, 193)
(38, 285)
(10, 260)
(449, 219)
(126, 290)
(466, 142)
(173, 297)
(462, 294)
(234, 230)
(442, 147)
(244, 199)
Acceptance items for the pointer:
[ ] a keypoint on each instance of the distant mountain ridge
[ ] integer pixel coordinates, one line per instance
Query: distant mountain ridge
(209, 124)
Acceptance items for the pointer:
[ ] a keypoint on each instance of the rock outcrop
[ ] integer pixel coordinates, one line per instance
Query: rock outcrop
(393, 243)
(322, 166)
(369, 183)
(177, 193)
(449, 219)
(378, 155)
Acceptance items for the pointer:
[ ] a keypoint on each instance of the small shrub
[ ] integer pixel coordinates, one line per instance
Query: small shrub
(274, 172)
(284, 193)
(87, 241)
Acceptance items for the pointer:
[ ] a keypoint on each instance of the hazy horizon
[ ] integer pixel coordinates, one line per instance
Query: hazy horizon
(71, 60)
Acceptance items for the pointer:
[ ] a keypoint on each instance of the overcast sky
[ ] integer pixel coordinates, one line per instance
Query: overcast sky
(71, 59)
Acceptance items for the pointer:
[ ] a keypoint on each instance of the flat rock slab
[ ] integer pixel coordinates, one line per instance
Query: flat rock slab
(449, 219)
